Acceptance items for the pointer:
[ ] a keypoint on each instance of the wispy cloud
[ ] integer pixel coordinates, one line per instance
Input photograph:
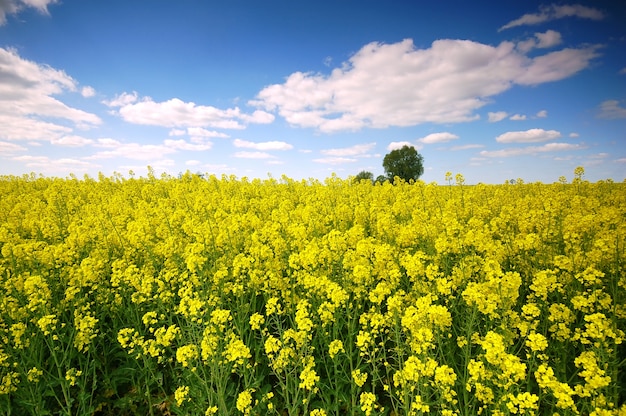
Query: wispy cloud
(253, 155)
(520, 151)
(335, 160)
(544, 40)
(271, 145)
(7, 148)
(611, 109)
(554, 12)
(356, 150)
(8, 7)
(467, 147)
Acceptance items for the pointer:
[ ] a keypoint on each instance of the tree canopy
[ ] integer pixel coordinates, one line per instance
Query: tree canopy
(364, 175)
(405, 163)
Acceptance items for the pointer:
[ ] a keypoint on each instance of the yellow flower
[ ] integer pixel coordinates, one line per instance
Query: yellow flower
(256, 320)
(186, 354)
(359, 377)
(367, 401)
(536, 342)
(335, 347)
(181, 395)
(72, 375)
(34, 374)
(236, 351)
(244, 401)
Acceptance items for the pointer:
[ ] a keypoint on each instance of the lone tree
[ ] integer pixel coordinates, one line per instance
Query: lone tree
(364, 175)
(405, 163)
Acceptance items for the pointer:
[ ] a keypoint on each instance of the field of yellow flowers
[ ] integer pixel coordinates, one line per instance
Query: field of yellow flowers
(200, 295)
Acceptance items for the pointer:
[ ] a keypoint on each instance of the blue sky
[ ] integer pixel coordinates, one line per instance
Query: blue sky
(528, 90)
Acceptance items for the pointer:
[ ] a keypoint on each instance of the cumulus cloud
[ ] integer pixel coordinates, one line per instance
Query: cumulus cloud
(554, 12)
(438, 138)
(397, 84)
(528, 136)
(494, 117)
(531, 150)
(31, 88)
(271, 145)
(356, 150)
(542, 114)
(8, 7)
(177, 113)
(398, 145)
(611, 109)
(517, 117)
(87, 92)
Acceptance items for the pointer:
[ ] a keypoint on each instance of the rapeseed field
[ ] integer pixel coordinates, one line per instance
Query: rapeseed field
(200, 295)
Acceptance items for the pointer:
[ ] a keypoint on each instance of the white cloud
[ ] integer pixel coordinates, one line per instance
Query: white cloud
(335, 160)
(621, 160)
(438, 138)
(544, 40)
(542, 114)
(253, 155)
(107, 142)
(184, 145)
(548, 39)
(134, 151)
(87, 92)
(46, 165)
(192, 162)
(15, 6)
(528, 136)
(9, 148)
(517, 117)
(553, 12)
(271, 145)
(177, 113)
(557, 65)
(520, 151)
(122, 99)
(398, 145)
(494, 117)
(574, 135)
(176, 132)
(610, 109)
(200, 132)
(31, 88)
(467, 146)
(398, 85)
(71, 141)
(356, 150)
